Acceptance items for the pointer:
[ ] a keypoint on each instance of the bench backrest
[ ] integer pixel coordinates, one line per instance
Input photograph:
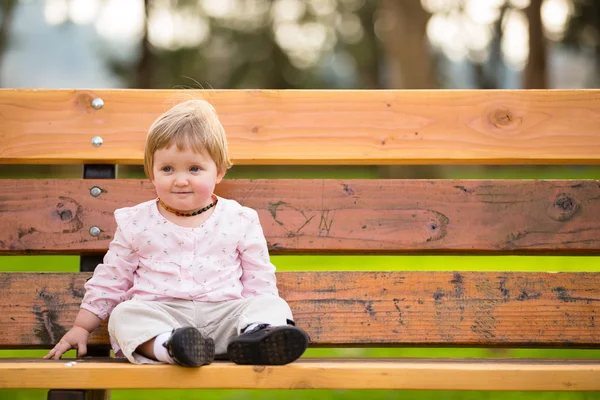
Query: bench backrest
(331, 216)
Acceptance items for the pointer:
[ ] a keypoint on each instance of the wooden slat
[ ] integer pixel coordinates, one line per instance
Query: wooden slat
(430, 374)
(314, 127)
(385, 216)
(474, 309)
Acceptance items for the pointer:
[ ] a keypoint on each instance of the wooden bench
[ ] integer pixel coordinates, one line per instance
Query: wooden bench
(327, 216)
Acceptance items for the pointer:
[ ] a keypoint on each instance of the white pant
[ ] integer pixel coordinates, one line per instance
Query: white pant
(134, 322)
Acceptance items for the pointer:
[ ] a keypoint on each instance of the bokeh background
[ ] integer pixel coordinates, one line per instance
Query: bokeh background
(312, 44)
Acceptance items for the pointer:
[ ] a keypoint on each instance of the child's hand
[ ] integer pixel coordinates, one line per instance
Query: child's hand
(76, 338)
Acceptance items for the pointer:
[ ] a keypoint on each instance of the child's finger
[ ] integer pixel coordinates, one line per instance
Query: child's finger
(49, 355)
(60, 349)
(58, 354)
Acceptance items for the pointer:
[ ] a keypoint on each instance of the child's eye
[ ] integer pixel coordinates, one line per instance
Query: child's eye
(195, 169)
(166, 169)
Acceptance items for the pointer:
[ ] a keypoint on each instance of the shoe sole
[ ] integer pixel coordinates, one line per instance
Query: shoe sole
(280, 346)
(191, 349)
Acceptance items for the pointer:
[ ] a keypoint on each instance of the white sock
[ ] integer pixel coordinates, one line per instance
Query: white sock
(252, 326)
(160, 352)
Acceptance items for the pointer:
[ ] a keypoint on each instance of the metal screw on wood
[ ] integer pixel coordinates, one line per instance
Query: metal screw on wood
(97, 141)
(95, 191)
(98, 103)
(95, 231)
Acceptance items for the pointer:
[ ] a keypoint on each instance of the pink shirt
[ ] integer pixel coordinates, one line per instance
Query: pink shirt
(151, 258)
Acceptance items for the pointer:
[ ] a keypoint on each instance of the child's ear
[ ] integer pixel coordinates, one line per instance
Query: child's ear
(220, 176)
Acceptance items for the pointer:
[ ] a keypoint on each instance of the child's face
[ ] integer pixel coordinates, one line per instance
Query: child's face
(184, 180)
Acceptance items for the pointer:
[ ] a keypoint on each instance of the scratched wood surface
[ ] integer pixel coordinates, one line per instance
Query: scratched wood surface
(364, 308)
(385, 216)
(430, 374)
(282, 127)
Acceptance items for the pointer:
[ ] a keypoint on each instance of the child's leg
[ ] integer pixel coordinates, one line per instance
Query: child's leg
(146, 349)
(154, 348)
(268, 335)
(230, 323)
(271, 310)
(134, 326)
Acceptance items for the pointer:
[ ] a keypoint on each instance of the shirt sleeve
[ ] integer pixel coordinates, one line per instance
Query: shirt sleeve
(258, 273)
(113, 278)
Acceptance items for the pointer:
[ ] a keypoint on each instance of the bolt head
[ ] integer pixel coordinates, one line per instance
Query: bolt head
(97, 103)
(97, 141)
(95, 231)
(95, 191)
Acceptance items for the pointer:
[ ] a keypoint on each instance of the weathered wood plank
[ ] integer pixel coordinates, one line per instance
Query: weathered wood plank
(474, 309)
(429, 374)
(283, 127)
(384, 216)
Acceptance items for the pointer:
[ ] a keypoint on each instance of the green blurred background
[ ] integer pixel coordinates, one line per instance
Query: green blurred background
(312, 44)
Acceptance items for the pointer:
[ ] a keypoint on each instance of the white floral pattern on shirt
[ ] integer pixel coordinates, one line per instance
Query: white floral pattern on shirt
(150, 258)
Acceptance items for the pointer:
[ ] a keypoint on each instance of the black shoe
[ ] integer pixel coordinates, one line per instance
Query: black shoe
(189, 348)
(268, 345)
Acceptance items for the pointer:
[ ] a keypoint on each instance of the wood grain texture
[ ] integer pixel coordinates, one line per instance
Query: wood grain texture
(374, 309)
(430, 374)
(314, 127)
(326, 216)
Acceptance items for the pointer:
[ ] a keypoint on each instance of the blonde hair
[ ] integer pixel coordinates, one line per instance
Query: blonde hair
(192, 124)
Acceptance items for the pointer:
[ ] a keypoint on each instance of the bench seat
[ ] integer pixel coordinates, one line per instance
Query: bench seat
(307, 373)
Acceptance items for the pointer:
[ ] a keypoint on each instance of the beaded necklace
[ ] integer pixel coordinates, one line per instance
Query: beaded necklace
(184, 214)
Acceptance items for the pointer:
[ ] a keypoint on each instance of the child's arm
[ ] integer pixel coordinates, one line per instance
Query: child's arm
(112, 279)
(104, 291)
(258, 274)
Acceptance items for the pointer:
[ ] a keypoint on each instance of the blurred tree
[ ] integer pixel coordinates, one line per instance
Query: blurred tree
(535, 75)
(368, 52)
(404, 31)
(258, 44)
(583, 32)
(7, 8)
(488, 72)
(144, 72)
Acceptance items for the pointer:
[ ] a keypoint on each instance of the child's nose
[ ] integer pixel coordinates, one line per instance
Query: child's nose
(181, 181)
